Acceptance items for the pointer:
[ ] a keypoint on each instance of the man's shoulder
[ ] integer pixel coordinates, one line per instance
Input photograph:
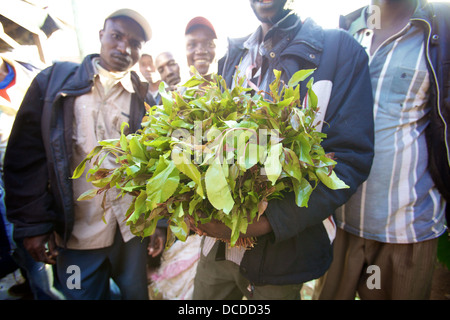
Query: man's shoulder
(238, 42)
(341, 39)
(440, 7)
(441, 11)
(58, 67)
(325, 38)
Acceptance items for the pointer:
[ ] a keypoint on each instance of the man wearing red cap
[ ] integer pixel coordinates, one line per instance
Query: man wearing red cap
(200, 46)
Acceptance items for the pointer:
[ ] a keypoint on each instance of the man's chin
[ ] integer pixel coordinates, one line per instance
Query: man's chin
(120, 65)
(202, 69)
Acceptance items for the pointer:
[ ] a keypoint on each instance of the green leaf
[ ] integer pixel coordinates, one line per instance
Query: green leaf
(162, 185)
(299, 76)
(312, 97)
(302, 192)
(247, 149)
(331, 180)
(166, 98)
(180, 102)
(305, 149)
(144, 227)
(180, 229)
(100, 183)
(123, 138)
(236, 226)
(217, 189)
(185, 165)
(137, 150)
(272, 165)
(82, 166)
(291, 164)
(87, 195)
(140, 207)
(160, 142)
(181, 124)
(274, 86)
(193, 82)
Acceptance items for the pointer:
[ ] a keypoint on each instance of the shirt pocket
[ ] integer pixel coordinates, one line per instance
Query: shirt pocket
(408, 91)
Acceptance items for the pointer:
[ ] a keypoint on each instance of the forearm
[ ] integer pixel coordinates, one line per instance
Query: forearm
(258, 228)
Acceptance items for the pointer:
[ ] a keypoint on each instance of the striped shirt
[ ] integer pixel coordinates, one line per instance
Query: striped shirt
(399, 202)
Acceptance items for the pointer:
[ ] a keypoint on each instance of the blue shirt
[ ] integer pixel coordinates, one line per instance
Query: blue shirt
(399, 202)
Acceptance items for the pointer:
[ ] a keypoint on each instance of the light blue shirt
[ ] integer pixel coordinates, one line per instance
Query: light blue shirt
(399, 202)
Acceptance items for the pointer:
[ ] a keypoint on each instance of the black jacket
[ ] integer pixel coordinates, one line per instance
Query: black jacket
(298, 249)
(434, 19)
(37, 174)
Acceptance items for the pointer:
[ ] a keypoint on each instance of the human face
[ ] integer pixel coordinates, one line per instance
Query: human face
(268, 11)
(147, 68)
(200, 49)
(121, 41)
(168, 68)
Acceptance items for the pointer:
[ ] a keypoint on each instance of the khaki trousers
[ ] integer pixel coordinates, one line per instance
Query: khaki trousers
(222, 280)
(378, 271)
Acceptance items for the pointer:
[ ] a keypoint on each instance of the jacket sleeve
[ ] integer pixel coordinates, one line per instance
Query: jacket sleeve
(27, 197)
(350, 135)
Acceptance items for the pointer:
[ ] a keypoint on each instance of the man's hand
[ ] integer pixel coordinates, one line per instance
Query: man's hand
(217, 229)
(36, 247)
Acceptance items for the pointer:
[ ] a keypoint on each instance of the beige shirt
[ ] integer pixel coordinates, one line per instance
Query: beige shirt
(98, 115)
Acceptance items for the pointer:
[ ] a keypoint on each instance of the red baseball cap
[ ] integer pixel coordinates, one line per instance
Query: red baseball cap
(200, 21)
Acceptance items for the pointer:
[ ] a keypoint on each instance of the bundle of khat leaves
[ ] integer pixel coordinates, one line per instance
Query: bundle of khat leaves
(212, 152)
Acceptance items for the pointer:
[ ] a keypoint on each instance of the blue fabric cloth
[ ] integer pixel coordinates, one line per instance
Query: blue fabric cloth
(8, 79)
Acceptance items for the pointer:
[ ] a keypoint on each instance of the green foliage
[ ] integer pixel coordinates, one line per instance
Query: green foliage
(216, 153)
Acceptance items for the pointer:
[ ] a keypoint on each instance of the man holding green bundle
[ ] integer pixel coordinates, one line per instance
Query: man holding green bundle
(293, 244)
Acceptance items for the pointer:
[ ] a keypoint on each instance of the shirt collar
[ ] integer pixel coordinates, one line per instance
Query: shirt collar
(360, 23)
(109, 79)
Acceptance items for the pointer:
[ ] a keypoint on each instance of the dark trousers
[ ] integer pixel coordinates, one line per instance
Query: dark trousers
(87, 274)
(222, 280)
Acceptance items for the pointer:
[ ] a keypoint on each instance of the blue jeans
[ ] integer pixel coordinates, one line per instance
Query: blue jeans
(7, 263)
(87, 274)
(8, 227)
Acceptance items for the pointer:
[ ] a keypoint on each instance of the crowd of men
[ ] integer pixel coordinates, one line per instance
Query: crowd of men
(384, 97)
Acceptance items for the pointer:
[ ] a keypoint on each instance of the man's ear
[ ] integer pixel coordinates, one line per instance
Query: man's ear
(100, 34)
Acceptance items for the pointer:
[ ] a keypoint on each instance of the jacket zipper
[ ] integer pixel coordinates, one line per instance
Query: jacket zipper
(438, 93)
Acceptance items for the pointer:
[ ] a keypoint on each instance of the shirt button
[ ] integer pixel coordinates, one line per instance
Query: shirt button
(272, 54)
(312, 56)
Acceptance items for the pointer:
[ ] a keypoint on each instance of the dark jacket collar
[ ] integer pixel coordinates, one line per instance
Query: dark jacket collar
(299, 33)
(83, 78)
